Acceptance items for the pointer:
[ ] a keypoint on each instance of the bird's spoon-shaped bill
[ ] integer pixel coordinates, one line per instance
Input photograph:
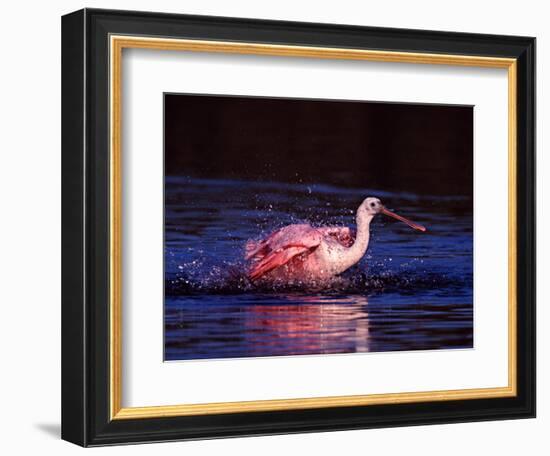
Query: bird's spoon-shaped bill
(416, 226)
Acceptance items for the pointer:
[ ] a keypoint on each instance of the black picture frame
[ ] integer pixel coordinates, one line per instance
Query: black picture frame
(85, 224)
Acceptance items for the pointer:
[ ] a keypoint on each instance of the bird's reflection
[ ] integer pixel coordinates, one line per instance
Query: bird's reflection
(320, 324)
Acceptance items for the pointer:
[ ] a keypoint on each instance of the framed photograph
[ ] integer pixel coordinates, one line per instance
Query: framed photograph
(279, 227)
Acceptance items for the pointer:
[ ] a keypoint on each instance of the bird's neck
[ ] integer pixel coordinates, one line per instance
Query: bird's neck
(363, 234)
(354, 254)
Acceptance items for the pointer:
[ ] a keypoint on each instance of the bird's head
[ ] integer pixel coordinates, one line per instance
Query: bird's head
(372, 206)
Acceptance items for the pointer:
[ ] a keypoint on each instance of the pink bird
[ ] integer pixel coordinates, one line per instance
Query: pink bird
(307, 254)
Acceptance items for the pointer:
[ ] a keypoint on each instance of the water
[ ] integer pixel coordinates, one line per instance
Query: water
(411, 291)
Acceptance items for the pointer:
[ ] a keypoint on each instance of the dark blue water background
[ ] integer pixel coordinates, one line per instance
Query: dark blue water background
(412, 290)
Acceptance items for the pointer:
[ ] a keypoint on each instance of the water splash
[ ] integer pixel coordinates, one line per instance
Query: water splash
(231, 278)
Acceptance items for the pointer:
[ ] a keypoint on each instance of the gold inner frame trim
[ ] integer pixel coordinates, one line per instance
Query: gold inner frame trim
(117, 44)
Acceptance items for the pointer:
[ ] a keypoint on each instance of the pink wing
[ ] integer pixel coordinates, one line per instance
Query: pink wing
(341, 234)
(280, 247)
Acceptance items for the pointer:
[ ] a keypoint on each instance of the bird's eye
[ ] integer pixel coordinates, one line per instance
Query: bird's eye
(372, 204)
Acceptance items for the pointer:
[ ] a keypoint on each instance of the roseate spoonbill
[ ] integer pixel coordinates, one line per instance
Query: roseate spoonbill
(305, 253)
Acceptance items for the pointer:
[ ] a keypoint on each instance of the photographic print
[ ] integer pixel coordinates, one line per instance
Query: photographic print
(310, 226)
(245, 199)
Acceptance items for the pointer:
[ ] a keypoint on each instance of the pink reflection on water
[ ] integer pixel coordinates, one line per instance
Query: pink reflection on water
(304, 328)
